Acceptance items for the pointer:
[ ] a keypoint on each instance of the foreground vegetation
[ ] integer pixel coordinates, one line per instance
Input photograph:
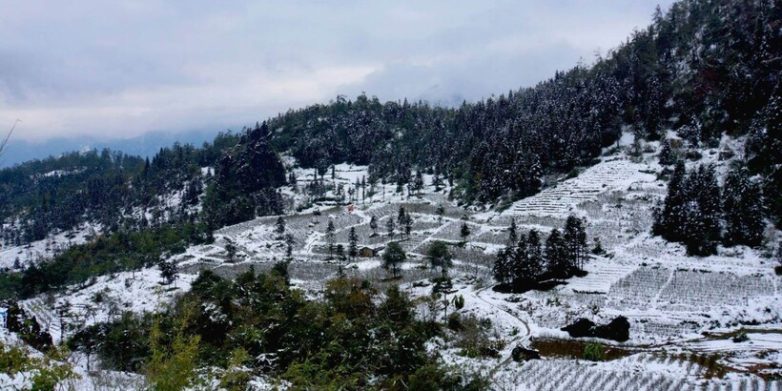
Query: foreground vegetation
(355, 338)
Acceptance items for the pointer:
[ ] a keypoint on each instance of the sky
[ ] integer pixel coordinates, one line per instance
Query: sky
(122, 69)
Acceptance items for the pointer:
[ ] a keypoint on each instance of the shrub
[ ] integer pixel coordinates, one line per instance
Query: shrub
(455, 321)
(594, 351)
(741, 336)
(474, 340)
(13, 360)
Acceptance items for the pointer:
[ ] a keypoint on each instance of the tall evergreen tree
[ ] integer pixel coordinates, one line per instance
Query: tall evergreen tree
(534, 250)
(330, 229)
(501, 268)
(743, 209)
(408, 224)
(373, 225)
(559, 263)
(280, 226)
(526, 268)
(701, 227)
(576, 240)
(401, 216)
(670, 218)
(513, 233)
(353, 243)
(667, 156)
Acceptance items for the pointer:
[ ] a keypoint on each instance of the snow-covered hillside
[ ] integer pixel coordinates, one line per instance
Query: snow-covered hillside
(681, 308)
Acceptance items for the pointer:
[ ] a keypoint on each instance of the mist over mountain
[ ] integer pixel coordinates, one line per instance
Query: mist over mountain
(147, 145)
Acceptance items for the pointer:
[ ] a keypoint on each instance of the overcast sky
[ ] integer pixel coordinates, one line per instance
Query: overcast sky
(122, 68)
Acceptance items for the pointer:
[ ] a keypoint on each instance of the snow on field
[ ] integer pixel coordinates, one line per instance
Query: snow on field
(636, 372)
(46, 248)
(105, 299)
(562, 199)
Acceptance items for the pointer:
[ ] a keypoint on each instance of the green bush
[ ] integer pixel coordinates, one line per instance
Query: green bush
(353, 338)
(594, 351)
(13, 360)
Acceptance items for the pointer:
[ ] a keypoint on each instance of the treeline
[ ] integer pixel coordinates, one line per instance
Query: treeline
(355, 338)
(700, 214)
(526, 262)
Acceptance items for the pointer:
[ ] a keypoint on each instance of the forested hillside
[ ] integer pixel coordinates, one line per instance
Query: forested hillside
(608, 228)
(702, 69)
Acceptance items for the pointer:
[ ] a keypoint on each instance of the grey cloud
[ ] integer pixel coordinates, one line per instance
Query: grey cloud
(120, 69)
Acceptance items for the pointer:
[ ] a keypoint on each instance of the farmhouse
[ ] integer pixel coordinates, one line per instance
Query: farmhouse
(368, 252)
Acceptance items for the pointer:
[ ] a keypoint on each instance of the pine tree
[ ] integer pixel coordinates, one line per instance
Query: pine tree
(667, 156)
(353, 243)
(501, 269)
(373, 225)
(576, 240)
(598, 248)
(464, 232)
(518, 259)
(559, 264)
(401, 216)
(743, 209)
(419, 182)
(701, 227)
(289, 243)
(526, 268)
(280, 226)
(390, 227)
(340, 251)
(393, 256)
(330, 237)
(535, 251)
(169, 271)
(408, 224)
(709, 199)
(512, 233)
(439, 256)
(230, 250)
(669, 220)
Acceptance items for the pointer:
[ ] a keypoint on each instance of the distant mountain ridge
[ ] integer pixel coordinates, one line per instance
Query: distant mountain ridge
(146, 145)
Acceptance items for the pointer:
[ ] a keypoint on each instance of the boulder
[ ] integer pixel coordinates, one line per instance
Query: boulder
(617, 330)
(520, 353)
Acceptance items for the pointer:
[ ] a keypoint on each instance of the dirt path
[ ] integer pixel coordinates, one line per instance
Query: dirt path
(521, 337)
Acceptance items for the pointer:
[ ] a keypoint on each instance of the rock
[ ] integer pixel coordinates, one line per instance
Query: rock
(617, 330)
(520, 353)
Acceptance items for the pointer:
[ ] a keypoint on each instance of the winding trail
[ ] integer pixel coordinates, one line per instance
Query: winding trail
(503, 308)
